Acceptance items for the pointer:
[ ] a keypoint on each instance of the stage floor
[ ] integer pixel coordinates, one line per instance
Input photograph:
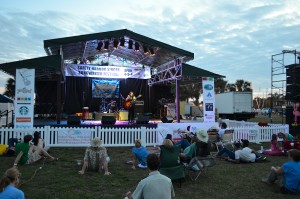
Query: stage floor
(63, 122)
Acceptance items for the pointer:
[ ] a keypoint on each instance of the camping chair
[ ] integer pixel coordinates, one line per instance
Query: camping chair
(213, 138)
(227, 138)
(170, 165)
(201, 161)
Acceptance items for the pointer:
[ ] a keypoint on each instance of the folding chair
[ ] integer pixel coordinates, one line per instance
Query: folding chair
(213, 138)
(170, 165)
(227, 138)
(201, 161)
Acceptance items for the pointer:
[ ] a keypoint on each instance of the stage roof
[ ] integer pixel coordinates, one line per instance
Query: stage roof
(45, 67)
(119, 43)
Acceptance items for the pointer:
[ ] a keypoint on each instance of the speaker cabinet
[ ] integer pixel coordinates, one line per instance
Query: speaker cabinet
(73, 120)
(108, 120)
(167, 119)
(142, 119)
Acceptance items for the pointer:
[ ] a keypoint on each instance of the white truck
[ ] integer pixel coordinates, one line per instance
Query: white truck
(235, 105)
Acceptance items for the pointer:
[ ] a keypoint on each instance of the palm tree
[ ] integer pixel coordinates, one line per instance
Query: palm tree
(220, 85)
(10, 88)
(239, 85)
(230, 87)
(247, 86)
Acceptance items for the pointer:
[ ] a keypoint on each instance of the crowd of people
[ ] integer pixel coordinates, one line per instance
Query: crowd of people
(96, 159)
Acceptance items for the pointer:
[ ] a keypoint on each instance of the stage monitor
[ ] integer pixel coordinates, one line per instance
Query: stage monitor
(108, 120)
(142, 119)
(73, 120)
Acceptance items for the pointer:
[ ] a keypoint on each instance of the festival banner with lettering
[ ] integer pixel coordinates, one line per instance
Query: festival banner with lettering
(102, 88)
(24, 98)
(208, 99)
(111, 72)
(69, 136)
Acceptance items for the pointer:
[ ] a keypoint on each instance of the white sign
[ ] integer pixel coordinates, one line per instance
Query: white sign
(24, 98)
(177, 129)
(114, 72)
(208, 99)
(74, 136)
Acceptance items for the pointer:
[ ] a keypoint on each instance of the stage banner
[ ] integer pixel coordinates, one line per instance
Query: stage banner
(105, 88)
(111, 72)
(24, 98)
(208, 99)
(68, 136)
(178, 129)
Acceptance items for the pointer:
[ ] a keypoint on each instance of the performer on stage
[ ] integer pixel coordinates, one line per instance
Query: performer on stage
(129, 104)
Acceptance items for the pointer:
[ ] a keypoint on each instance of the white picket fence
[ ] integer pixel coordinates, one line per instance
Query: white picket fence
(116, 137)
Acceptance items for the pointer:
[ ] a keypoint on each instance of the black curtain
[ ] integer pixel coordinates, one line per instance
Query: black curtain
(46, 97)
(78, 91)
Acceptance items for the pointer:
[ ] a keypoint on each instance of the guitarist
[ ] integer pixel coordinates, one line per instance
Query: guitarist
(130, 99)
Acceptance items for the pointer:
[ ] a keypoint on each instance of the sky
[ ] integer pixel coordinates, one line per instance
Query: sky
(233, 38)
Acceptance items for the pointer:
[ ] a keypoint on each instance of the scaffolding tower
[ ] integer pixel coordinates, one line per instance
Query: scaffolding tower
(278, 75)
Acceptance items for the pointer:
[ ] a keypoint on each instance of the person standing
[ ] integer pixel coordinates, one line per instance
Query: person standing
(155, 185)
(8, 184)
(130, 105)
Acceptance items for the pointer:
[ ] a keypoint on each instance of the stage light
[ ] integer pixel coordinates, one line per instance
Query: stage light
(100, 44)
(146, 51)
(130, 44)
(152, 53)
(116, 42)
(137, 46)
(122, 42)
(106, 45)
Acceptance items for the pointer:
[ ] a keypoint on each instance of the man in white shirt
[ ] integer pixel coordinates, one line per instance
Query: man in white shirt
(155, 185)
(247, 154)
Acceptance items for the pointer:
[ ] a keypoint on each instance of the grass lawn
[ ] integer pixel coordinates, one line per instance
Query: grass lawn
(61, 180)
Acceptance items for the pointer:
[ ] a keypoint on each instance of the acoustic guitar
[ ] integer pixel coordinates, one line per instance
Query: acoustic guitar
(128, 104)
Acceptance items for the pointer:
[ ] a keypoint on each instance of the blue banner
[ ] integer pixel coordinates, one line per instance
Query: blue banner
(105, 88)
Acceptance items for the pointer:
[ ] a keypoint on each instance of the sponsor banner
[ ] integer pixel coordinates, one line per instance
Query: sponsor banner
(74, 136)
(105, 88)
(208, 99)
(24, 99)
(178, 129)
(112, 72)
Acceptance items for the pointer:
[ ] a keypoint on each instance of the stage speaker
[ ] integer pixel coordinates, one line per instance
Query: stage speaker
(73, 120)
(142, 119)
(139, 109)
(108, 120)
(293, 82)
(167, 119)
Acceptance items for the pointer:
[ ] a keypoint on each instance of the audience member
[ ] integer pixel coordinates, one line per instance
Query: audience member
(189, 152)
(222, 129)
(38, 141)
(274, 149)
(285, 136)
(249, 155)
(140, 153)
(155, 185)
(95, 158)
(231, 156)
(8, 185)
(288, 174)
(27, 154)
(182, 143)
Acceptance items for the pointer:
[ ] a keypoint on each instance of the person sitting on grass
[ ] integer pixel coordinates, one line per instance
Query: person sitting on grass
(288, 174)
(182, 143)
(274, 149)
(231, 156)
(8, 185)
(27, 154)
(285, 137)
(38, 141)
(155, 186)
(140, 153)
(249, 155)
(95, 158)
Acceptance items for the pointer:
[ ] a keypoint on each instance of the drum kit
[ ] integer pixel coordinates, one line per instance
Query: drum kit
(112, 106)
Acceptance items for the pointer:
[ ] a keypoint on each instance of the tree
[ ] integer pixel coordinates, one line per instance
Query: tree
(230, 87)
(10, 88)
(239, 85)
(220, 85)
